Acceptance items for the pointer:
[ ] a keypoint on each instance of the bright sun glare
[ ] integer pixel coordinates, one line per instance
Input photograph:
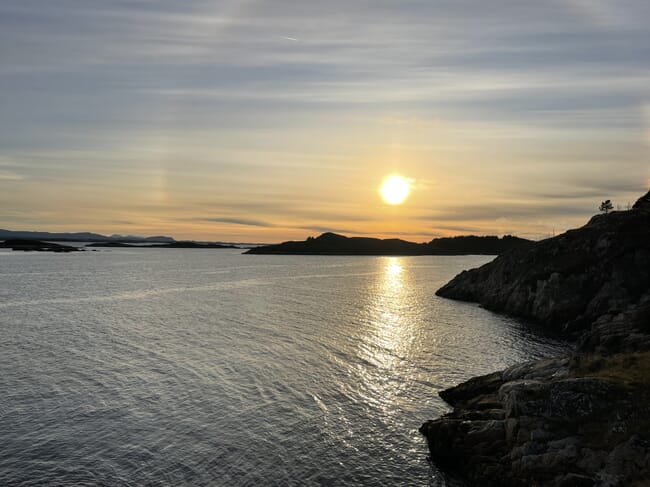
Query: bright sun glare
(395, 189)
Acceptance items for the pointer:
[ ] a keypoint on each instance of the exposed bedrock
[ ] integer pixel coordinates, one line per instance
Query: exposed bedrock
(548, 423)
(579, 420)
(569, 281)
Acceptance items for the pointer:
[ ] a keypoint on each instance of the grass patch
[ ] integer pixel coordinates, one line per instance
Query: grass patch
(631, 370)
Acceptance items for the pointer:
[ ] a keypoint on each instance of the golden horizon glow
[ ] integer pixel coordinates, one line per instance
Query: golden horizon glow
(395, 189)
(222, 127)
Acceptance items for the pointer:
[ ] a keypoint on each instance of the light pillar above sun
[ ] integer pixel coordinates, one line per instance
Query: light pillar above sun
(395, 189)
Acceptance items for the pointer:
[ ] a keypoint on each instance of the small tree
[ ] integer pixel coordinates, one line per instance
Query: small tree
(606, 206)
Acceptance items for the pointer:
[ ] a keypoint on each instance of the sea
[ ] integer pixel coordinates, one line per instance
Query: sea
(197, 367)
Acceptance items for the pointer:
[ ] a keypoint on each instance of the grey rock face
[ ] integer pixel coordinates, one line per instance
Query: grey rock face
(581, 420)
(568, 281)
(554, 429)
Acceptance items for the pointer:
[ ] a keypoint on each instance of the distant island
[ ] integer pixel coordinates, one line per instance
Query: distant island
(36, 246)
(41, 241)
(326, 244)
(334, 244)
(80, 237)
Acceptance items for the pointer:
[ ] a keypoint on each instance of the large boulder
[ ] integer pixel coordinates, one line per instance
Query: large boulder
(550, 422)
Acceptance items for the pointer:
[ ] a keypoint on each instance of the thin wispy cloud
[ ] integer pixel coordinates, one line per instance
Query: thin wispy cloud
(242, 221)
(10, 176)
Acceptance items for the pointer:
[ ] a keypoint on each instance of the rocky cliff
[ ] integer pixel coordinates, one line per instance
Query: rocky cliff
(569, 281)
(580, 420)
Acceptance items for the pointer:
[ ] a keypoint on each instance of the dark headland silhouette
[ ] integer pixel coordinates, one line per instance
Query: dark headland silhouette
(42, 241)
(578, 420)
(27, 245)
(334, 244)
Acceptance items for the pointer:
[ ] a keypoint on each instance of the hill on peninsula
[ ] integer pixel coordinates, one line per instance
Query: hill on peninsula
(566, 282)
(334, 244)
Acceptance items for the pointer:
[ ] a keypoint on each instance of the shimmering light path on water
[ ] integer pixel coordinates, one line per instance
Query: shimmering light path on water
(201, 367)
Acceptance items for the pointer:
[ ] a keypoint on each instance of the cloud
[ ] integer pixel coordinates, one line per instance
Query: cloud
(324, 229)
(10, 176)
(502, 210)
(242, 221)
(460, 229)
(11, 169)
(591, 189)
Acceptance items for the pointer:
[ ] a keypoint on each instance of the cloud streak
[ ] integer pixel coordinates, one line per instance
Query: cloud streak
(242, 221)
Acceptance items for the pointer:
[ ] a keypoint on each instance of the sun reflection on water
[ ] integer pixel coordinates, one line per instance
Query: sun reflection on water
(389, 334)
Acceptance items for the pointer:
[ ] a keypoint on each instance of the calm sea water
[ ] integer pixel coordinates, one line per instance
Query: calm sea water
(209, 367)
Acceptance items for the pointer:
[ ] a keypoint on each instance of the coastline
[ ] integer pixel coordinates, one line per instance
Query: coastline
(577, 420)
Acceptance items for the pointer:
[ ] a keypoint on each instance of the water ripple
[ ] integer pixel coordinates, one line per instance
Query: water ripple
(176, 367)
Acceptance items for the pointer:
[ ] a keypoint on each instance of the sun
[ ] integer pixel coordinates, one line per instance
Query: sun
(395, 189)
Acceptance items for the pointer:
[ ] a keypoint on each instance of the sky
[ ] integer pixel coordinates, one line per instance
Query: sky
(263, 121)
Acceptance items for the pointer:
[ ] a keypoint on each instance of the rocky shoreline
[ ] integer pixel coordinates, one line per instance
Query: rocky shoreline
(37, 246)
(579, 420)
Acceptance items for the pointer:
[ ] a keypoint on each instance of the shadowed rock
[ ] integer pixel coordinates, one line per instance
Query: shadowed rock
(546, 423)
(580, 420)
(36, 246)
(568, 281)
